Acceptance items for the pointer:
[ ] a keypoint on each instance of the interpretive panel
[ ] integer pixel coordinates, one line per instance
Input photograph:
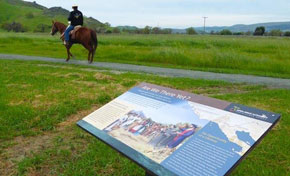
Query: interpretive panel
(171, 132)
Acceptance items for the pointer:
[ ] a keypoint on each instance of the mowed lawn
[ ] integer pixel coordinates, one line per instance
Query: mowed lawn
(266, 56)
(41, 102)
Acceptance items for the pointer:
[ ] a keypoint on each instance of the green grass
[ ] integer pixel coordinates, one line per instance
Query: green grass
(263, 56)
(40, 103)
(30, 16)
(17, 11)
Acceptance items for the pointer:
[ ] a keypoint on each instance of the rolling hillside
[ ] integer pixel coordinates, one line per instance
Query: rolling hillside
(283, 26)
(34, 17)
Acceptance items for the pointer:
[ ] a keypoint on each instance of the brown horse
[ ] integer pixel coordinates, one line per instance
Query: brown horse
(84, 36)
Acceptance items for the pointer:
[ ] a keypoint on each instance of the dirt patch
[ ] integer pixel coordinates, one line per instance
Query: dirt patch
(26, 146)
(76, 117)
(82, 69)
(217, 90)
(100, 76)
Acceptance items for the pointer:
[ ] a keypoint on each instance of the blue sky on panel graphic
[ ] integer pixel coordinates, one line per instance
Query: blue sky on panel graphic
(179, 112)
(173, 114)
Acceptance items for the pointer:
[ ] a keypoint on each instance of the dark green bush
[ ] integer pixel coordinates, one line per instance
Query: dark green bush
(226, 32)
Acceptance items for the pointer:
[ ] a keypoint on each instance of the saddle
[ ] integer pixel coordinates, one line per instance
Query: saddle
(73, 32)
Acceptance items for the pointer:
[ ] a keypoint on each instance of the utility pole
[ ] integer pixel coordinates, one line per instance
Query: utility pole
(204, 19)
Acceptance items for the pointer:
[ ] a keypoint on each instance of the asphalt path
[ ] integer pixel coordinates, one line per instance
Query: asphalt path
(234, 78)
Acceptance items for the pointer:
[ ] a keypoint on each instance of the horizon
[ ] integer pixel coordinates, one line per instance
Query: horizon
(221, 13)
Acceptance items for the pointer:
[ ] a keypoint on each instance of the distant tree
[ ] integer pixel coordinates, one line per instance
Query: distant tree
(147, 30)
(212, 32)
(248, 33)
(238, 33)
(191, 31)
(101, 30)
(42, 28)
(156, 30)
(107, 24)
(14, 26)
(275, 32)
(116, 30)
(226, 32)
(166, 31)
(287, 34)
(260, 31)
(138, 31)
(108, 31)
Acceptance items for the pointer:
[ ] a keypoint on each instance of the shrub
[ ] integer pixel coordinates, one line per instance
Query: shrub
(14, 26)
(275, 32)
(212, 32)
(260, 31)
(109, 31)
(147, 30)
(116, 30)
(287, 34)
(248, 33)
(100, 29)
(166, 31)
(191, 31)
(226, 32)
(156, 30)
(42, 28)
(238, 33)
(29, 15)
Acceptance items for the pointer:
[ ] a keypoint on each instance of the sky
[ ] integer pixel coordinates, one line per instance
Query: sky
(179, 13)
(177, 112)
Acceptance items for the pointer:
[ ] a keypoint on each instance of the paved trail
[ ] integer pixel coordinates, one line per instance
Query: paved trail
(235, 78)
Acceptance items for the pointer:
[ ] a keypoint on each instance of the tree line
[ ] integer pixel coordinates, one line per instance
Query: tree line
(107, 29)
(259, 31)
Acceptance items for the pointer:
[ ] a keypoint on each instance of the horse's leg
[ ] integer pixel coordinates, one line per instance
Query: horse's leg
(68, 52)
(89, 56)
(89, 48)
(93, 53)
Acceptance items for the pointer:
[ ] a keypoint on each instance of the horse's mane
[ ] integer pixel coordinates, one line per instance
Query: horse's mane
(59, 24)
(61, 27)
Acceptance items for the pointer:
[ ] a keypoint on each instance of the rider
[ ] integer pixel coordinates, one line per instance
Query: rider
(75, 18)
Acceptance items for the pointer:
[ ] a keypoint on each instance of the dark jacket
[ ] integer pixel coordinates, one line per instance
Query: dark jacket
(76, 18)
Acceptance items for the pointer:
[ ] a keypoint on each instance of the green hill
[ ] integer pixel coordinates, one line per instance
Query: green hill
(34, 17)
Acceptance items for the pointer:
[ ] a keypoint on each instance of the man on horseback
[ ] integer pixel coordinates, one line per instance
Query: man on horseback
(75, 18)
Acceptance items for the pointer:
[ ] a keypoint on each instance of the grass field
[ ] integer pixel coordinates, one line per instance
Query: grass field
(17, 11)
(40, 103)
(245, 55)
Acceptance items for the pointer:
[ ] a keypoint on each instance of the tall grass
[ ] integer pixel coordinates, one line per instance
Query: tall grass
(266, 56)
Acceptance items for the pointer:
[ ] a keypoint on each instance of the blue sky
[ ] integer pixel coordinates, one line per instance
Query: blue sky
(177, 112)
(180, 13)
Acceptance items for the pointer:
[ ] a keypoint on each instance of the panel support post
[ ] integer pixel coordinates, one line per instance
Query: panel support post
(148, 174)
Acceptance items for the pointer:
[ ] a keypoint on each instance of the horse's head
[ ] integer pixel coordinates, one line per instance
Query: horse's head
(54, 28)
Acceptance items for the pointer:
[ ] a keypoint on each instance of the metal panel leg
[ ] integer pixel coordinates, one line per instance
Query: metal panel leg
(148, 174)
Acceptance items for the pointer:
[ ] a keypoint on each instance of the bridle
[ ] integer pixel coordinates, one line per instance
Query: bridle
(54, 29)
